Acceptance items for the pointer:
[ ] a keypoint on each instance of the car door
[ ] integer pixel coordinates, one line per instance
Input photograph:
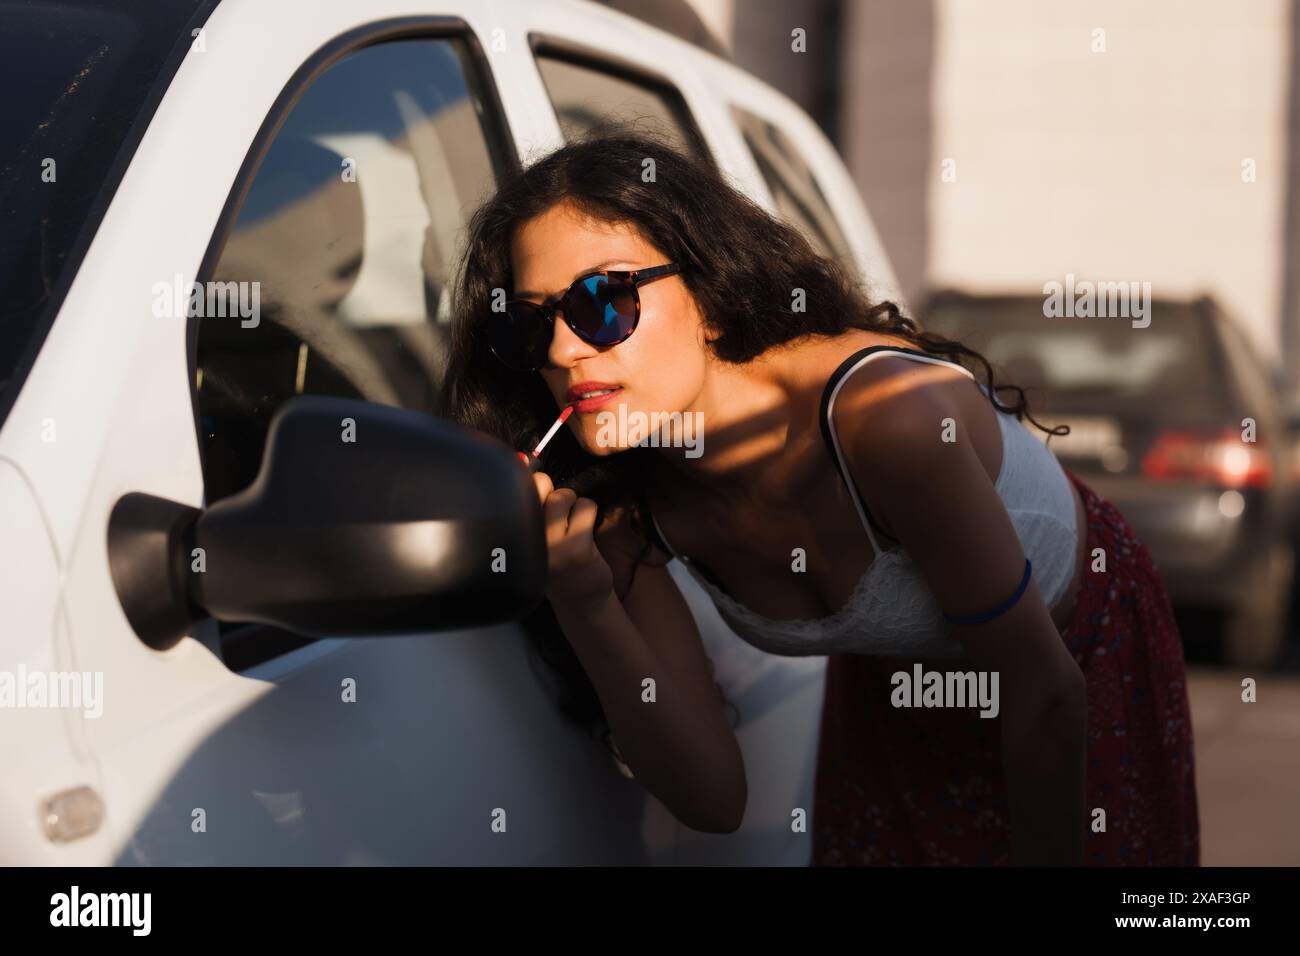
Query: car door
(312, 171)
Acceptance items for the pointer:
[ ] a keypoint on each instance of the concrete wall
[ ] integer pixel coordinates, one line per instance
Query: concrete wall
(1003, 144)
(1122, 164)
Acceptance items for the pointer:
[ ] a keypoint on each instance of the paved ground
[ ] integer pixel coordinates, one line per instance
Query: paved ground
(1247, 758)
(1247, 767)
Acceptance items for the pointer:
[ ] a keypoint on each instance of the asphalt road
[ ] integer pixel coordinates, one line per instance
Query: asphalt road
(1247, 758)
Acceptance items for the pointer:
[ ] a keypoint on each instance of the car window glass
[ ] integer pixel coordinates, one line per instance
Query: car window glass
(1091, 363)
(345, 241)
(799, 198)
(84, 79)
(585, 95)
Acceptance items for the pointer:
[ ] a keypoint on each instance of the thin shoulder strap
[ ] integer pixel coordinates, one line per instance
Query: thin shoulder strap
(832, 389)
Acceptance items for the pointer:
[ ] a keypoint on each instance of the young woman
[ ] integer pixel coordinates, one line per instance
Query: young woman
(860, 495)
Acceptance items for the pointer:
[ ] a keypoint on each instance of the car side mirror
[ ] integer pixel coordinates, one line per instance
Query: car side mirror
(363, 520)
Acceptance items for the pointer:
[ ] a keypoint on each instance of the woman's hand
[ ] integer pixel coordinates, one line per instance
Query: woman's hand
(681, 748)
(577, 574)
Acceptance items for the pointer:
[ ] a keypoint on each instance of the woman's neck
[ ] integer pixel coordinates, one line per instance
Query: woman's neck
(751, 418)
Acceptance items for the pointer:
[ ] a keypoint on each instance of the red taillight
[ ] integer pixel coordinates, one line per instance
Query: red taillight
(1221, 457)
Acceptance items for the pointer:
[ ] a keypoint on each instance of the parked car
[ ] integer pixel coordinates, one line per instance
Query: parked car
(330, 152)
(1159, 426)
(1293, 421)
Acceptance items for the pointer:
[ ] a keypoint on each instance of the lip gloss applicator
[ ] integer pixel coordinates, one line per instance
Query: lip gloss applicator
(564, 415)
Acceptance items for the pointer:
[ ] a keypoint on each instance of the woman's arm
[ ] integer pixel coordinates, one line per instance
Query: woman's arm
(672, 734)
(938, 499)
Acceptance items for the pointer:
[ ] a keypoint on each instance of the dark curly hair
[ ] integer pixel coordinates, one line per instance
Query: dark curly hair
(738, 261)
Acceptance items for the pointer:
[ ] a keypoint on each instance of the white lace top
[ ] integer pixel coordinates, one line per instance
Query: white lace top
(891, 611)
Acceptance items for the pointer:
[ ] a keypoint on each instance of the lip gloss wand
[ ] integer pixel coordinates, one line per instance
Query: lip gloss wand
(564, 415)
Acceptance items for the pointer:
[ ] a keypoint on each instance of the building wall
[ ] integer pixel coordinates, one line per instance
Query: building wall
(886, 124)
(762, 36)
(1120, 164)
(1123, 164)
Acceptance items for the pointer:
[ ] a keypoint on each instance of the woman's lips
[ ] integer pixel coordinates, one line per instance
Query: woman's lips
(591, 404)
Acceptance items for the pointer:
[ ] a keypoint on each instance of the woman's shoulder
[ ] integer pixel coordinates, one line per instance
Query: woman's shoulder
(819, 361)
(887, 412)
(871, 389)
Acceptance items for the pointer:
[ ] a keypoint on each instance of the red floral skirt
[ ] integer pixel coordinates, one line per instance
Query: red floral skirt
(924, 786)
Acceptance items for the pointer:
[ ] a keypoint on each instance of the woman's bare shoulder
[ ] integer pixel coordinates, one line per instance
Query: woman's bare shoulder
(817, 359)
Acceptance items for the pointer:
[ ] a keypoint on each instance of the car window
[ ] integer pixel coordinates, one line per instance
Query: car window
(586, 92)
(1087, 363)
(344, 245)
(85, 78)
(798, 197)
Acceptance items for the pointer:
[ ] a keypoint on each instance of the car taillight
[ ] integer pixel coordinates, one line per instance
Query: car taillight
(1220, 457)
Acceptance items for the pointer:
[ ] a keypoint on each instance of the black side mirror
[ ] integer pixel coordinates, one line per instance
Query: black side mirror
(363, 520)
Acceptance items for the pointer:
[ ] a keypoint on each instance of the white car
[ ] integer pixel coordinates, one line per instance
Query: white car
(331, 152)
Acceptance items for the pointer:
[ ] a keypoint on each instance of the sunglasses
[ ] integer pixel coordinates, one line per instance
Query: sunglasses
(602, 308)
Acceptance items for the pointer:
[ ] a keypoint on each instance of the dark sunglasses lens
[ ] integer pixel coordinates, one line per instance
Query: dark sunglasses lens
(521, 336)
(602, 309)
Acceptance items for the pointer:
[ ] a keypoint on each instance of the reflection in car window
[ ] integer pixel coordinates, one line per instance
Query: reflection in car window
(350, 229)
(585, 96)
(798, 197)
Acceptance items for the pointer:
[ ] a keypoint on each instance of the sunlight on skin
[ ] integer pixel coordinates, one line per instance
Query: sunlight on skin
(666, 365)
(878, 394)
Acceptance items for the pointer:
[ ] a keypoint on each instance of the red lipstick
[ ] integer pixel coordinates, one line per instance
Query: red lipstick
(564, 415)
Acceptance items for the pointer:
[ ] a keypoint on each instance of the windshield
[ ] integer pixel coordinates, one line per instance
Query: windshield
(83, 79)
